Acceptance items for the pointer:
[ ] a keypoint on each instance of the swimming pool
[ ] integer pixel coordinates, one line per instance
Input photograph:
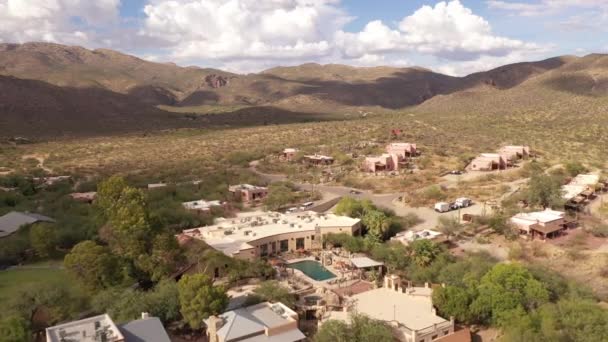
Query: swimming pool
(313, 269)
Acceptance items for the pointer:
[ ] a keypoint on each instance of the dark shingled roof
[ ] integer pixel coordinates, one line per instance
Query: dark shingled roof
(14, 220)
(145, 330)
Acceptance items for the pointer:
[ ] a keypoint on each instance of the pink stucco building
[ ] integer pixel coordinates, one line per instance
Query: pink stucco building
(248, 193)
(394, 159)
(402, 149)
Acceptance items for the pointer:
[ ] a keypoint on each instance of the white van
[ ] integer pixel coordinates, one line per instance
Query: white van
(463, 202)
(442, 207)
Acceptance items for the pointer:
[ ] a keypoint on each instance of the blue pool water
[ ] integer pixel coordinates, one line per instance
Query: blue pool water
(313, 269)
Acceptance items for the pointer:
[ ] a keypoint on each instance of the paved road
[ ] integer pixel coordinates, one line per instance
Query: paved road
(390, 201)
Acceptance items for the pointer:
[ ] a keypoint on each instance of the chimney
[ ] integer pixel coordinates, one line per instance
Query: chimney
(213, 324)
(145, 315)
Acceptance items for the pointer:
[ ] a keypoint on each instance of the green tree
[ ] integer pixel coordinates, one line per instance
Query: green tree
(333, 331)
(544, 191)
(575, 168)
(467, 271)
(272, 291)
(352, 207)
(199, 299)
(449, 226)
(395, 255)
(455, 301)
(94, 266)
(131, 233)
(58, 302)
(376, 222)
(279, 195)
(360, 329)
(424, 252)
(109, 192)
(43, 239)
(566, 320)
(165, 258)
(508, 287)
(125, 305)
(365, 329)
(15, 328)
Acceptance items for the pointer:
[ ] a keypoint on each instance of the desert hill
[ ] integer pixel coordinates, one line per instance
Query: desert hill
(73, 88)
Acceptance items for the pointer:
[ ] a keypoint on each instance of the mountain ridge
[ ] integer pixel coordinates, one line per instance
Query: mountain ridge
(111, 77)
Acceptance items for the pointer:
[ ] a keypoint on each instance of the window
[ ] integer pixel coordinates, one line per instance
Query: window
(312, 237)
(446, 332)
(300, 243)
(284, 245)
(434, 337)
(264, 250)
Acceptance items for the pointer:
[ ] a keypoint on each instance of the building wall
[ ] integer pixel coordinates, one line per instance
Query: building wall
(311, 241)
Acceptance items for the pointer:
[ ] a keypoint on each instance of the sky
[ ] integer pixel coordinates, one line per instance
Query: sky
(455, 37)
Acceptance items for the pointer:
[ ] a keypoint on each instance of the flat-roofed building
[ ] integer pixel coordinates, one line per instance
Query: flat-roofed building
(401, 149)
(318, 159)
(546, 223)
(201, 206)
(410, 236)
(92, 329)
(267, 322)
(513, 153)
(408, 310)
(248, 193)
(257, 234)
(384, 162)
(488, 162)
(102, 328)
(86, 197)
(289, 154)
(580, 189)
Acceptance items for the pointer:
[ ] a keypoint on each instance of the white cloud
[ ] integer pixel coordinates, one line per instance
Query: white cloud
(54, 20)
(448, 30)
(545, 7)
(245, 29)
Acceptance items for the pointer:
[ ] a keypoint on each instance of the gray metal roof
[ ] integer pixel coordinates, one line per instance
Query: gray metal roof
(14, 220)
(249, 324)
(145, 330)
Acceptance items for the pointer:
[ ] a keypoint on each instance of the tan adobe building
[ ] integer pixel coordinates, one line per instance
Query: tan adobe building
(289, 154)
(258, 234)
(408, 310)
(271, 322)
(248, 193)
(488, 162)
(513, 153)
(547, 223)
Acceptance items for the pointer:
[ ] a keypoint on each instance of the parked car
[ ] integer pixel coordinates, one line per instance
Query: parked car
(442, 207)
(354, 192)
(456, 172)
(463, 202)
